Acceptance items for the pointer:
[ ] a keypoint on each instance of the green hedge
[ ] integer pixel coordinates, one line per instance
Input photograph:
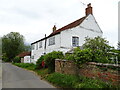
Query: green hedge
(39, 62)
(50, 60)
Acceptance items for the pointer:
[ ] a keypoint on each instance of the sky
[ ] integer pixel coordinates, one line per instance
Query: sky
(35, 18)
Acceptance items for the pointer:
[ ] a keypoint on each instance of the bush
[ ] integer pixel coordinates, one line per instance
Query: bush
(82, 56)
(69, 57)
(16, 60)
(39, 63)
(50, 60)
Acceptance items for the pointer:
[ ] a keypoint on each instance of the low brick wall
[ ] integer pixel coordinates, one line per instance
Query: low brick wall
(91, 69)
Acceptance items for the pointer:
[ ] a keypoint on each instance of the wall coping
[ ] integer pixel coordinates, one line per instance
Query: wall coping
(93, 63)
(102, 64)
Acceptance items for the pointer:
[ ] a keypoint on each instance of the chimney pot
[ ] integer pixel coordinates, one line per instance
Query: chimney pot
(54, 28)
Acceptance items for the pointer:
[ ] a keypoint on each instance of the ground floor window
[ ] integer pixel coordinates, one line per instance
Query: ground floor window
(75, 41)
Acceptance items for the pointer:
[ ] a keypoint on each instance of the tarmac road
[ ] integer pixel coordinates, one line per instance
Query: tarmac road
(15, 77)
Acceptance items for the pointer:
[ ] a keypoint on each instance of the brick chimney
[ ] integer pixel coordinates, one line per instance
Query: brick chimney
(54, 28)
(88, 9)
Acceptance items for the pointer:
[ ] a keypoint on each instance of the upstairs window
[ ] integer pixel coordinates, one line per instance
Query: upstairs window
(51, 40)
(75, 41)
(36, 46)
(40, 44)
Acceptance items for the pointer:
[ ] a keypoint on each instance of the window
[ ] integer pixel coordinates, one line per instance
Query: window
(40, 44)
(33, 47)
(51, 40)
(75, 41)
(36, 46)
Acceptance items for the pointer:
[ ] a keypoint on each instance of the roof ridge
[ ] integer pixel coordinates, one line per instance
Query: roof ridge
(68, 26)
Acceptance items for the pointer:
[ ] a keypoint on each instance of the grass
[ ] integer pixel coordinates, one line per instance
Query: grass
(29, 66)
(66, 81)
(72, 81)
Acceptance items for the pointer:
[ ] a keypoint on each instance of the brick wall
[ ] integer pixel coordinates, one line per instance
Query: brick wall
(91, 69)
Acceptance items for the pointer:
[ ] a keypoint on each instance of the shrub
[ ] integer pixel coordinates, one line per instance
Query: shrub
(82, 56)
(50, 60)
(17, 59)
(69, 57)
(39, 63)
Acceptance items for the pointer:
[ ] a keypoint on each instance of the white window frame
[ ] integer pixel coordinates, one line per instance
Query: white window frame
(75, 41)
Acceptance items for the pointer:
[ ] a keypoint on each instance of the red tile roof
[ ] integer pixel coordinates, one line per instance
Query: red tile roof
(24, 54)
(71, 25)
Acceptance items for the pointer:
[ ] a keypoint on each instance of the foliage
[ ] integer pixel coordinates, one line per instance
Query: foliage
(29, 66)
(69, 57)
(39, 62)
(72, 81)
(61, 80)
(100, 49)
(5, 58)
(67, 81)
(50, 60)
(27, 48)
(12, 44)
(82, 56)
(16, 60)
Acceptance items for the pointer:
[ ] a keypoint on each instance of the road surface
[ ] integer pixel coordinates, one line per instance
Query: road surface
(15, 77)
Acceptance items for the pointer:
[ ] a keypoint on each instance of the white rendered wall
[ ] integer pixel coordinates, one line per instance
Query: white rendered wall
(88, 28)
(40, 51)
(27, 59)
(63, 41)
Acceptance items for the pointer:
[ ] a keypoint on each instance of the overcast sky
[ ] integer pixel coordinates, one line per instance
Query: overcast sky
(35, 18)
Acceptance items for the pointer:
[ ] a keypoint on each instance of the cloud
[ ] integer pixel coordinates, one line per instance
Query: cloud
(37, 17)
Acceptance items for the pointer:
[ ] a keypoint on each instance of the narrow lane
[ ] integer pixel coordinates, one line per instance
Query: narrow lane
(15, 77)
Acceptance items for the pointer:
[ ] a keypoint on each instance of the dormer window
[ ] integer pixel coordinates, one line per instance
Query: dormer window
(51, 41)
(75, 41)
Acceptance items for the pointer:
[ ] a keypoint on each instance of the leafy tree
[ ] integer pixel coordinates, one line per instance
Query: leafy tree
(16, 60)
(82, 56)
(100, 49)
(12, 44)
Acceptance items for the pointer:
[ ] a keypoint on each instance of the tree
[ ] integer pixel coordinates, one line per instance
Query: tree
(12, 44)
(100, 49)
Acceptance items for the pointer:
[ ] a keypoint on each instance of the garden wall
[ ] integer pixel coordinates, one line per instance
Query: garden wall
(105, 72)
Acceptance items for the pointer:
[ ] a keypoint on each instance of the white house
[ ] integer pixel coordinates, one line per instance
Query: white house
(67, 37)
(25, 57)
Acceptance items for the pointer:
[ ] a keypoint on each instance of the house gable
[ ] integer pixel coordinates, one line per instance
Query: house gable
(90, 24)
